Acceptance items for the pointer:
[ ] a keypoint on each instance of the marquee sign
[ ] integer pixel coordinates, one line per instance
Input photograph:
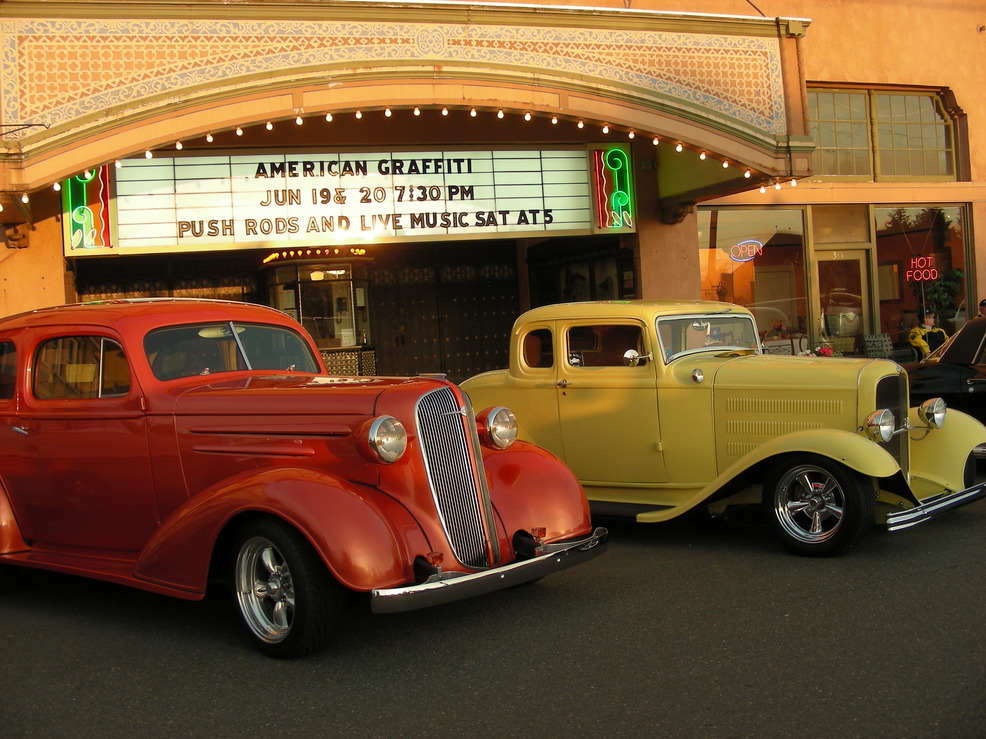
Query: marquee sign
(298, 198)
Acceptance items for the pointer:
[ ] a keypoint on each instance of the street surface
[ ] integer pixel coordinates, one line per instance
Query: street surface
(687, 629)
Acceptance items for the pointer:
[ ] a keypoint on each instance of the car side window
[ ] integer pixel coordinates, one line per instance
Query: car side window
(537, 349)
(8, 370)
(604, 345)
(74, 367)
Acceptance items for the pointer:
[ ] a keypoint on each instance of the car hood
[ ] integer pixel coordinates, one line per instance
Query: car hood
(797, 373)
(291, 395)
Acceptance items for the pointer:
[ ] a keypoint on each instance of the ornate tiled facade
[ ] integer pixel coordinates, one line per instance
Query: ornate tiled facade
(59, 71)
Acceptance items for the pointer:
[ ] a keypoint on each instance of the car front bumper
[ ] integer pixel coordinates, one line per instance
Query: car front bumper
(452, 586)
(933, 507)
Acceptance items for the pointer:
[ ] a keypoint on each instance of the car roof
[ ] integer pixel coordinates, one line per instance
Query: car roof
(645, 309)
(153, 311)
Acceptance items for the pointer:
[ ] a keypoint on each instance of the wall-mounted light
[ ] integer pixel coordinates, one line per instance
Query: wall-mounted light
(56, 186)
(239, 131)
(499, 113)
(527, 116)
(208, 137)
(725, 164)
(581, 124)
(269, 126)
(794, 183)
(605, 128)
(679, 148)
(747, 174)
(328, 118)
(763, 189)
(702, 156)
(554, 120)
(299, 120)
(656, 141)
(358, 114)
(631, 135)
(386, 112)
(118, 164)
(148, 154)
(179, 145)
(777, 185)
(417, 110)
(444, 110)
(472, 113)
(25, 199)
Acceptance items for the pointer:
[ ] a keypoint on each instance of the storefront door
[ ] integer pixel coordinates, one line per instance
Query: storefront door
(842, 299)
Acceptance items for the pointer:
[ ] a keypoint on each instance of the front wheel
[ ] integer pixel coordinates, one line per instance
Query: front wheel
(818, 507)
(288, 600)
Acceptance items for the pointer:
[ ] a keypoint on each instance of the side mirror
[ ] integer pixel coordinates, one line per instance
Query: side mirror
(632, 358)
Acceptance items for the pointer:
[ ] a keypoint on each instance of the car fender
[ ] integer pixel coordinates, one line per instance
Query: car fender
(855, 451)
(938, 456)
(10, 533)
(530, 487)
(344, 524)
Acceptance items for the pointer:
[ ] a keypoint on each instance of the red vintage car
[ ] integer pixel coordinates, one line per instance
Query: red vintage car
(168, 444)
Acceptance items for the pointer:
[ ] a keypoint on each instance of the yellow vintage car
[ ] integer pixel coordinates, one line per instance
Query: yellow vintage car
(663, 407)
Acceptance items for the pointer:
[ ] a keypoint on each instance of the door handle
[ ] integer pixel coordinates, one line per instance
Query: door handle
(562, 383)
(20, 430)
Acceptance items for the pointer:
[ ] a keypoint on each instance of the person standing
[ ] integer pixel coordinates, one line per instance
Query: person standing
(927, 337)
(982, 308)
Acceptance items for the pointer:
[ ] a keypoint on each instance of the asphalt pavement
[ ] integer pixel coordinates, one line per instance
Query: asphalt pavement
(687, 629)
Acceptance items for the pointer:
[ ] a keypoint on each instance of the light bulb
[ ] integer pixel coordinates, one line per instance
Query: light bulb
(444, 110)
(208, 137)
(359, 114)
(239, 131)
(118, 164)
(57, 186)
(725, 163)
(269, 126)
(417, 110)
(148, 154)
(328, 118)
(794, 183)
(386, 112)
(656, 141)
(605, 128)
(179, 145)
(299, 120)
(581, 124)
(762, 189)
(25, 198)
(702, 156)
(499, 113)
(554, 120)
(472, 112)
(777, 185)
(747, 174)
(679, 148)
(527, 116)
(631, 135)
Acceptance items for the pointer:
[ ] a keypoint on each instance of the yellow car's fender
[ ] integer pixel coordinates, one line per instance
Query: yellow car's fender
(939, 456)
(855, 451)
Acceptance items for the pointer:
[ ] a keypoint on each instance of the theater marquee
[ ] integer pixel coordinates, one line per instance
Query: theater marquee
(298, 198)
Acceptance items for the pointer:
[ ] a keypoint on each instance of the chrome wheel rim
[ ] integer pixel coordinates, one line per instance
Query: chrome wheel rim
(265, 590)
(809, 504)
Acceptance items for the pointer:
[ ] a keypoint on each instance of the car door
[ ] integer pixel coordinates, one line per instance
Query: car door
(76, 463)
(608, 410)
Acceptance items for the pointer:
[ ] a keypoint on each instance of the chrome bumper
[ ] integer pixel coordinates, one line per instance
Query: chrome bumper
(452, 586)
(934, 507)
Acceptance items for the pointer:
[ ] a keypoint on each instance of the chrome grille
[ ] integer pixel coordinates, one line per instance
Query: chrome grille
(445, 448)
(891, 392)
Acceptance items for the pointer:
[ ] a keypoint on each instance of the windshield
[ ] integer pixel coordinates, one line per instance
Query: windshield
(207, 348)
(682, 335)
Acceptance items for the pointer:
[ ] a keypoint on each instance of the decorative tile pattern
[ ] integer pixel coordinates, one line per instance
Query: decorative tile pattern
(58, 71)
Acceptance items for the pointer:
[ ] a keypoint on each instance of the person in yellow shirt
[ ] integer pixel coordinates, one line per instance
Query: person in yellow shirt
(927, 337)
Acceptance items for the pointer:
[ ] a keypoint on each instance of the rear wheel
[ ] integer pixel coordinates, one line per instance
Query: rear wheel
(818, 507)
(288, 600)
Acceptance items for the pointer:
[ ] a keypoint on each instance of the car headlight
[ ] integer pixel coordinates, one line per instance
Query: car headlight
(386, 438)
(932, 412)
(880, 425)
(497, 427)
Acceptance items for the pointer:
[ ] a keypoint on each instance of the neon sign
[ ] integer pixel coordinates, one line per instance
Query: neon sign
(613, 188)
(745, 251)
(922, 269)
(85, 200)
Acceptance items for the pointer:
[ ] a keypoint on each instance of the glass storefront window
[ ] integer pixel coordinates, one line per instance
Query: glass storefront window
(756, 258)
(329, 300)
(921, 266)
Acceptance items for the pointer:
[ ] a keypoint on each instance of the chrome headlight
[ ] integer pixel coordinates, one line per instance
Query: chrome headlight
(932, 412)
(386, 438)
(497, 427)
(880, 425)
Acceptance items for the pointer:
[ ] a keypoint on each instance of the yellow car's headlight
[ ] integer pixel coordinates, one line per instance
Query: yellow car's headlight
(880, 425)
(932, 412)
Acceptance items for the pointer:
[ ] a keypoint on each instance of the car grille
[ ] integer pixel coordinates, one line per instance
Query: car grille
(461, 502)
(891, 392)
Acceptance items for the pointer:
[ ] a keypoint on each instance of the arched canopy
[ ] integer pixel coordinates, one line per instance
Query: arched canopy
(81, 88)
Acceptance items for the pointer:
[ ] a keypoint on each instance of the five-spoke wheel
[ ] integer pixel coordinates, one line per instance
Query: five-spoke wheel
(818, 506)
(287, 599)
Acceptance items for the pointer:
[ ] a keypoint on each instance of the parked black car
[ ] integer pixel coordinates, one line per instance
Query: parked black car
(955, 372)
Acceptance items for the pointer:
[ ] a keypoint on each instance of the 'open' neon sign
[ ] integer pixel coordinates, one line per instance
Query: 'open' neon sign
(746, 251)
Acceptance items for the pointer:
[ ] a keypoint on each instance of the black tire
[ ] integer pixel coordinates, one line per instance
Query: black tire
(288, 600)
(817, 506)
